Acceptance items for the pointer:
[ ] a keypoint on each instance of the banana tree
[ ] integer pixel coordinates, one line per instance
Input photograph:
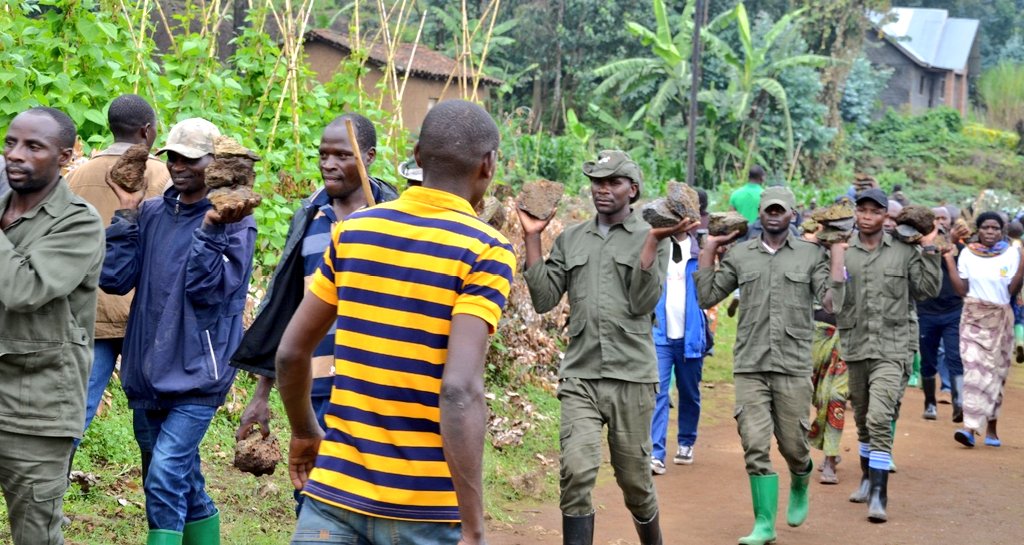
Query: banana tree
(754, 70)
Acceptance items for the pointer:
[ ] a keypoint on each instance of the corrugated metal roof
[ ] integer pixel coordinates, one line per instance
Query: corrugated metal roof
(929, 36)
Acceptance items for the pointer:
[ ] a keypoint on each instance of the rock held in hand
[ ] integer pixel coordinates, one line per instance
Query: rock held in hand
(921, 218)
(838, 211)
(831, 235)
(223, 197)
(659, 213)
(257, 455)
(906, 233)
(539, 198)
(129, 171)
(683, 200)
(723, 223)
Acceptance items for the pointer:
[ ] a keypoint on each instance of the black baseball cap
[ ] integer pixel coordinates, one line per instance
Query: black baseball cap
(874, 194)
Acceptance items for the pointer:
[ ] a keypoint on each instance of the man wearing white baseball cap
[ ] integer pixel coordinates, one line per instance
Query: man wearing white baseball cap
(190, 266)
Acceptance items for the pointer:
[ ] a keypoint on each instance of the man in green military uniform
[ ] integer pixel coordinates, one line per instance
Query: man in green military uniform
(781, 277)
(874, 324)
(612, 267)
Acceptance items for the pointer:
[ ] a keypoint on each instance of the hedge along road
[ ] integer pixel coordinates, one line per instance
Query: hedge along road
(943, 493)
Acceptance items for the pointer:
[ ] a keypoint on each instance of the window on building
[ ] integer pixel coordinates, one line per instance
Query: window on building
(920, 89)
(942, 87)
(431, 102)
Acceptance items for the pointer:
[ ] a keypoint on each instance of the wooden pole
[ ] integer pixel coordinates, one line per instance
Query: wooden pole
(363, 177)
(691, 139)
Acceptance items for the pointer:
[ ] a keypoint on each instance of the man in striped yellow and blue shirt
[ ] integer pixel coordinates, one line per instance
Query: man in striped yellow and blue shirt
(412, 288)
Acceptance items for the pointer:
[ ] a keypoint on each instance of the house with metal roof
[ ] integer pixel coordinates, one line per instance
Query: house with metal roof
(933, 56)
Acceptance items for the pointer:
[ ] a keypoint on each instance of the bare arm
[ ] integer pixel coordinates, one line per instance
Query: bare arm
(257, 411)
(307, 328)
(960, 285)
(463, 419)
(1015, 282)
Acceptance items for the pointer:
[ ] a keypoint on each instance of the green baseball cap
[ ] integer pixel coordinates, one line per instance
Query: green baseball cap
(192, 138)
(615, 163)
(781, 196)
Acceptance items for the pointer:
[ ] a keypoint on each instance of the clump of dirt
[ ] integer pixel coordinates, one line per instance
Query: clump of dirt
(723, 223)
(838, 211)
(683, 200)
(540, 198)
(257, 455)
(920, 218)
(230, 176)
(129, 171)
(836, 220)
(223, 197)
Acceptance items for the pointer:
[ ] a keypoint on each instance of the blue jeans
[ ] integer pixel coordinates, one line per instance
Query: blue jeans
(935, 328)
(104, 358)
(672, 358)
(173, 479)
(323, 523)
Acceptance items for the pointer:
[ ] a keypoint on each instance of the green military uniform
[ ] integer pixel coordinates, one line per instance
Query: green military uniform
(609, 375)
(772, 357)
(50, 262)
(876, 329)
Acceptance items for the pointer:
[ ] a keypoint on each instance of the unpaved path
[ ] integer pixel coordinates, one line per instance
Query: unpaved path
(942, 494)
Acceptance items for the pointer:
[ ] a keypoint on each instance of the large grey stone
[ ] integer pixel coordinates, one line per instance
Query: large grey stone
(683, 200)
(723, 223)
(659, 213)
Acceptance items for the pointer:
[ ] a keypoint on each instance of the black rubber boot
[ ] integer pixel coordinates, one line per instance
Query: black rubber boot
(864, 490)
(649, 532)
(879, 495)
(577, 530)
(956, 388)
(928, 385)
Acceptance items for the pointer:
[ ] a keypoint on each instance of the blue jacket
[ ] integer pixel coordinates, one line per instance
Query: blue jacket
(695, 332)
(190, 286)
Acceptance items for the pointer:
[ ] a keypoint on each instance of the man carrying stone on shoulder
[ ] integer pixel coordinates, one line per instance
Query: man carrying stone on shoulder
(781, 277)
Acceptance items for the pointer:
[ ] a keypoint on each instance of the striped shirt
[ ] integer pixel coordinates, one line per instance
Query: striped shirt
(397, 273)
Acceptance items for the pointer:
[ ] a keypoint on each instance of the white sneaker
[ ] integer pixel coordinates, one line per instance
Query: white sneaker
(684, 456)
(657, 466)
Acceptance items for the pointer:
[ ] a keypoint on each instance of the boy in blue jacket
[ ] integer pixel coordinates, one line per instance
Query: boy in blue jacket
(190, 268)
(680, 340)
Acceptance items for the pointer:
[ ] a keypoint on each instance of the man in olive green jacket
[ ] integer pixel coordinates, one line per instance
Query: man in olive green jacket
(781, 277)
(612, 268)
(51, 249)
(876, 331)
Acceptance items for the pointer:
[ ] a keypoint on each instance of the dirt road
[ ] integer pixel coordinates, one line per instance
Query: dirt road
(942, 494)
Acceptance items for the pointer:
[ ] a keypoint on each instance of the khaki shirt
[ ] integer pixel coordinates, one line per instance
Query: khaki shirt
(611, 299)
(875, 319)
(50, 262)
(777, 296)
(89, 182)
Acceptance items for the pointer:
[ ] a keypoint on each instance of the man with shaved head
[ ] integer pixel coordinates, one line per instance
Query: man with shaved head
(308, 238)
(409, 290)
(51, 250)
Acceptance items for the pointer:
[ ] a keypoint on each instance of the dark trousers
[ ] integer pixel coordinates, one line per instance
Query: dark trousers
(945, 328)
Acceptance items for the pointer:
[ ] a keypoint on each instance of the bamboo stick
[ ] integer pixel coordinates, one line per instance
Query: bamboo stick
(363, 177)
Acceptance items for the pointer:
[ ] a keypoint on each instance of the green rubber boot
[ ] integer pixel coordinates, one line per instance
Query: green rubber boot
(203, 531)
(915, 374)
(764, 490)
(796, 512)
(163, 537)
